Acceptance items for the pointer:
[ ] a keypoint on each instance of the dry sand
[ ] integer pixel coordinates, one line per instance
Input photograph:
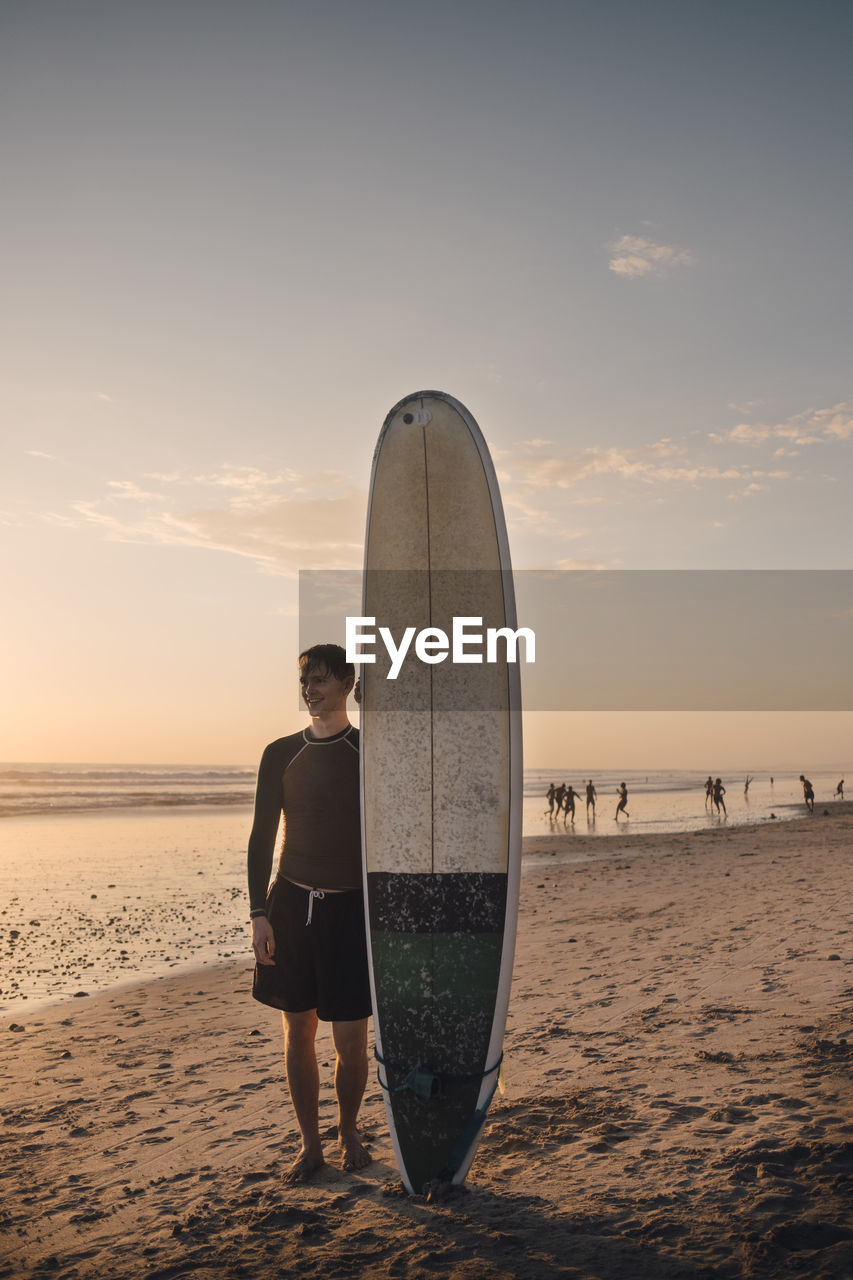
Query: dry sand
(677, 1103)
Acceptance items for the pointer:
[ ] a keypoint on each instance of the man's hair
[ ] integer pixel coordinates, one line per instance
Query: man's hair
(327, 657)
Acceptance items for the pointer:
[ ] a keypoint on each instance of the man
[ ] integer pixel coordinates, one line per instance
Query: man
(590, 798)
(308, 931)
(808, 793)
(569, 801)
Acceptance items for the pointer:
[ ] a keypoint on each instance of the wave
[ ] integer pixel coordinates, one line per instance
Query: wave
(39, 789)
(50, 776)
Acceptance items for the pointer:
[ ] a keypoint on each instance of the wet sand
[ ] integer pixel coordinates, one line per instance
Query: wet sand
(88, 900)
(678, 1096)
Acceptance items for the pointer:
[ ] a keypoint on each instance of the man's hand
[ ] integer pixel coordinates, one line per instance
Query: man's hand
(263, 940)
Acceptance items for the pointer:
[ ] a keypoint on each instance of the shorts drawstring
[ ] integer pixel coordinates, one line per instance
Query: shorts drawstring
(312, 894)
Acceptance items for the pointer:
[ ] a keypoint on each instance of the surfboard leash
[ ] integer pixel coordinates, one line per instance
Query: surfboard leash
(427, 1085)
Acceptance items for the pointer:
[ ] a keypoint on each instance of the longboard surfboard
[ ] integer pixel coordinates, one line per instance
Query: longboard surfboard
(441, 778)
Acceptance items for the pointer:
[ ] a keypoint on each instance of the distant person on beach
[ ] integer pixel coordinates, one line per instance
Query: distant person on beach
(746, 785)
(839, 790)
(552, 790)
(808, 793)
(719, 792)
(590, 798)
(571, 797)
(709, 790)
(623, 800)
(308, 931)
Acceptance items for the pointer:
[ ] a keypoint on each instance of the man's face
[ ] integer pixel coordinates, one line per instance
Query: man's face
(323, 693)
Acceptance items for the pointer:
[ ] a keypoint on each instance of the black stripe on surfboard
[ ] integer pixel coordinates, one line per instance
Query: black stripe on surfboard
(462, 902)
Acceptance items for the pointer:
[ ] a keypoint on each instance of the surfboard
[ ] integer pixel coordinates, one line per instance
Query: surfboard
(441, 779)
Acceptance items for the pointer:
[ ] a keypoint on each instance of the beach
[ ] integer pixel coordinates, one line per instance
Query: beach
(677, 1095)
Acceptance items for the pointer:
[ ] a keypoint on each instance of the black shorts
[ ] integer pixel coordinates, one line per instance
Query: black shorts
(321, 965)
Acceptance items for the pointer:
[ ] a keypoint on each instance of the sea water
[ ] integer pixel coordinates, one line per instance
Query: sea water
(114, 875)
(662, 800)
(79, 788)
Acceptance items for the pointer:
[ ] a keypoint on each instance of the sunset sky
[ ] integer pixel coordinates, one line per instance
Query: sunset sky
(237, 234)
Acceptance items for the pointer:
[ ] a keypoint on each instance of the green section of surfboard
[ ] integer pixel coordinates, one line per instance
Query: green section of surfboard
(435, 1030)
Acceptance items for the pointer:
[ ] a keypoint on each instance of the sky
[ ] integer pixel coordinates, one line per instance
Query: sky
(237, 234)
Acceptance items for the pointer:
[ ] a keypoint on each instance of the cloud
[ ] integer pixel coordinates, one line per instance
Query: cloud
(814, 426)
(583, 564)
(283, 521)
(638, 256)
(129, 491)
(59, 518)
(652, 464)
(837, 422)
(542, 487)
(743, 433)
(748, 406)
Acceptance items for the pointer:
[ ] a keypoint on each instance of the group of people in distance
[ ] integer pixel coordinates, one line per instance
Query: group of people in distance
(714, 792)
(562, 799)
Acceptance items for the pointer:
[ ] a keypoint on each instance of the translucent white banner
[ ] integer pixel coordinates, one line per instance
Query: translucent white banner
(633, 640)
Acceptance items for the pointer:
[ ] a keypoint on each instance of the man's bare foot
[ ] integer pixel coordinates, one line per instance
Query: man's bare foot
(354, 1153)
(303, 1168)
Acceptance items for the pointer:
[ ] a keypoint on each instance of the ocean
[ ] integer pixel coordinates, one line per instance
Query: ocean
(117, 874)
(659, 800)
(80, 788)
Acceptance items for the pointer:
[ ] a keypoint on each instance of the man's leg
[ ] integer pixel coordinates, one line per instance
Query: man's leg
(303, 1079)
(350, 1079)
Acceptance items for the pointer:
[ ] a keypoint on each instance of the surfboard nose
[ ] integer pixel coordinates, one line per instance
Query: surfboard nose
(420, 418)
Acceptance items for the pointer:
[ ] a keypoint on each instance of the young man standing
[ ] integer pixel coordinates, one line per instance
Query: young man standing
(308, 931)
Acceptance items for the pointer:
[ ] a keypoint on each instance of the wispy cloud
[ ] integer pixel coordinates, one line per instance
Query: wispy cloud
(283, 521)
(583, 564)
(814, 426)
(661, 462)
(542, 486)
(638, 256)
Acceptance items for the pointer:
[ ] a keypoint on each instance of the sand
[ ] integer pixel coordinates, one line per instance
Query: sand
(678, 1096)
